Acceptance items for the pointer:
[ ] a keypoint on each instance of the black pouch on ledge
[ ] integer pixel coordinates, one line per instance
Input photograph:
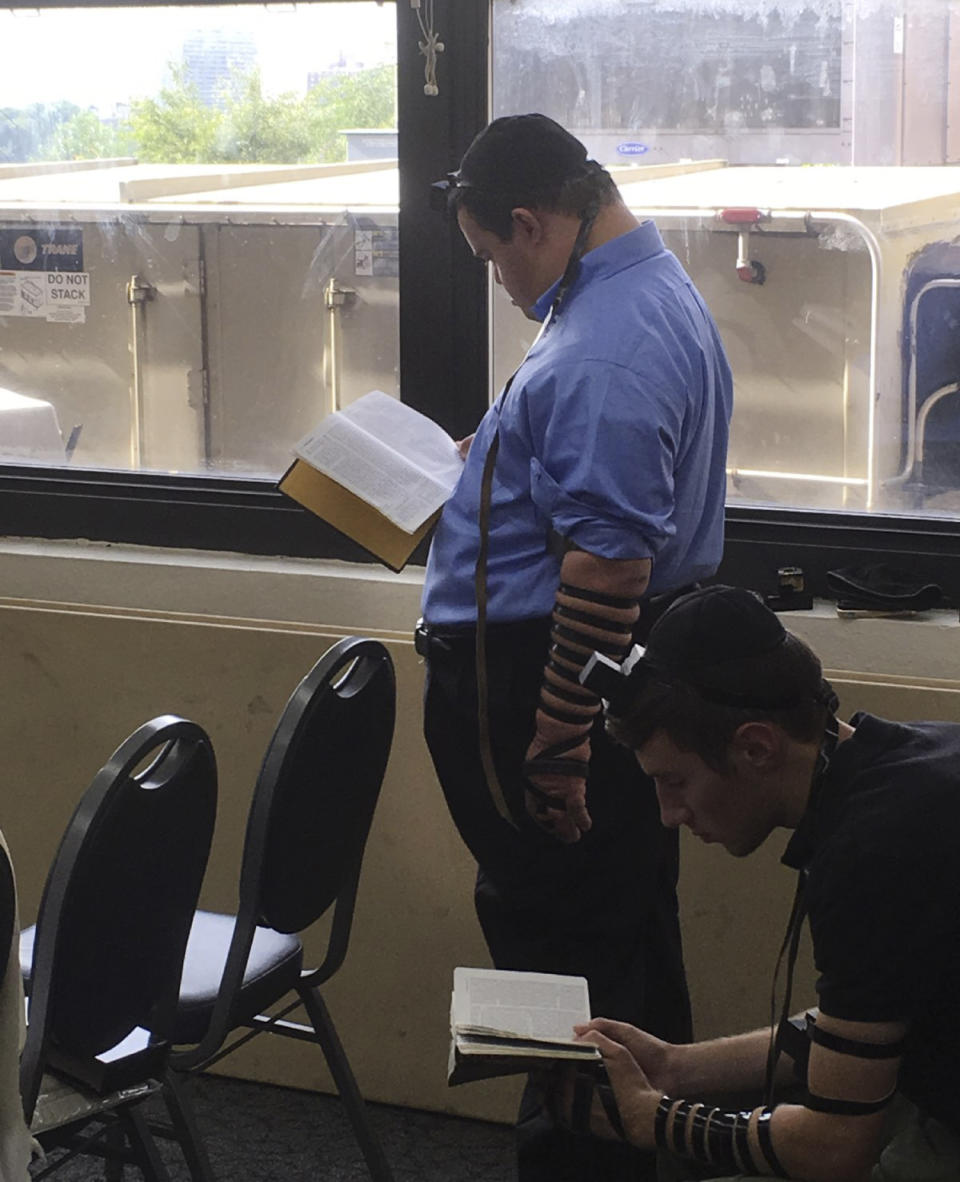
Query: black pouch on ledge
(881, 588)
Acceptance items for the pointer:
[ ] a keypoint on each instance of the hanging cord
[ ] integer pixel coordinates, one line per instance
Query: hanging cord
(494, 786)
(791, 939)
(430, 46)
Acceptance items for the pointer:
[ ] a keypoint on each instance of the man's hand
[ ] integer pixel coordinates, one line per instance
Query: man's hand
(463, 446)
(652, 1055)
(634, 1099)
(567, 818)
(635, 1096)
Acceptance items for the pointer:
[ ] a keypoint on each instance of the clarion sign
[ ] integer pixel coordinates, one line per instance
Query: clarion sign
(632, 148)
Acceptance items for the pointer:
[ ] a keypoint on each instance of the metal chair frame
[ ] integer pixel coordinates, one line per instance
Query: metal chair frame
(354, 676)
(166, 813)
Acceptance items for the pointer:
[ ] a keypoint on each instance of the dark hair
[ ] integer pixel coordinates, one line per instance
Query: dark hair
(527, 161)
(696, 724)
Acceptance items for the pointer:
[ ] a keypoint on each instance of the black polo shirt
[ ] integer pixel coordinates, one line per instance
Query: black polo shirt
(880, 849)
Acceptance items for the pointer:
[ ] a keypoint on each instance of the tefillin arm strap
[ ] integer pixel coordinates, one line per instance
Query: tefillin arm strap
(717, 1138)
(486, 496)
(480, 587)
(791, 940)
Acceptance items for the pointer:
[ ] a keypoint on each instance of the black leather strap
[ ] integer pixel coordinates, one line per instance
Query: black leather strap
(854, 1046)
(612, 1112)
(601, 623)
(846, 1107)
(766, 1143)
(616, 601)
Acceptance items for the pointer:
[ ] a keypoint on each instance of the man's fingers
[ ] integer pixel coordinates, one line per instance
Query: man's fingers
(621, 1066)
(616, 1031)
(566, 826)
(578, 813)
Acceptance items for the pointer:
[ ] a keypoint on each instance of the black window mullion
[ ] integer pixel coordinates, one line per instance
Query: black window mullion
(443, 290)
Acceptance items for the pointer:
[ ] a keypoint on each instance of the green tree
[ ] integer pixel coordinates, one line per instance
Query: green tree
(84, 136)
(175, 127)
(260, 130)
(252, 128)
(366, 98)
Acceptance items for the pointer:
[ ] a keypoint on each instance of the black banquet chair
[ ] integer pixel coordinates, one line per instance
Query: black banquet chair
(312, 808)
(103, 964)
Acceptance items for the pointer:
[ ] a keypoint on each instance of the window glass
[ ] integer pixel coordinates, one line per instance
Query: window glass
(198, 239)
(799, 157)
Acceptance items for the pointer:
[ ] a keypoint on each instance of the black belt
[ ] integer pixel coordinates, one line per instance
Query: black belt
(439, 640)
(446, 640)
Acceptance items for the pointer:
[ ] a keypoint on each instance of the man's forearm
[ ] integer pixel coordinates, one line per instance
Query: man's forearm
(735, 1064)
(597, 607)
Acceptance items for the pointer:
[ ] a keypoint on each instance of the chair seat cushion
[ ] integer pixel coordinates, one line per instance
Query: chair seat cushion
(273, 969)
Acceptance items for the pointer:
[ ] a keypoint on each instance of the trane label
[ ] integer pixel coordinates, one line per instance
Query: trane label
(41, 248)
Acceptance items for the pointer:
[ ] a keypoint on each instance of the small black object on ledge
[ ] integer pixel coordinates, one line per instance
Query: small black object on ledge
(881, 588)
(791, 593)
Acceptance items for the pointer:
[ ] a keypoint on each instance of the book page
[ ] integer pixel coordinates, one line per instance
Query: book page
(414, 436)
(389, 455)
(539, 1006)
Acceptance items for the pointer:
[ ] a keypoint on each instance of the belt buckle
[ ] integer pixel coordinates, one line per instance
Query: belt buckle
(421, 639)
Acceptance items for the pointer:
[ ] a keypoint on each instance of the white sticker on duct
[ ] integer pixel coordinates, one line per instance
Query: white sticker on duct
(363, 252)
(67, 289)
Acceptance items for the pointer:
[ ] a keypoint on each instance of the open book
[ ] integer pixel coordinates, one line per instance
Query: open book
(378, 471)
(505, 1022)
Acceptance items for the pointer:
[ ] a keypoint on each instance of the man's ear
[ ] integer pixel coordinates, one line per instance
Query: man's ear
(759, 746)
(527, 226)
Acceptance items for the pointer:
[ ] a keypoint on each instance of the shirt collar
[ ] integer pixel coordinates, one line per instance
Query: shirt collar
(623, 251)
(868, 733)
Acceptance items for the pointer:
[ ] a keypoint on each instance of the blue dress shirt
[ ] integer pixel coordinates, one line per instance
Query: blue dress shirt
(613, 435)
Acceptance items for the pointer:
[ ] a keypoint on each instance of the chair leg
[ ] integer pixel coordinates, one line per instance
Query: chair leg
(185, 1127)
(143, 1145)
(343, 1077)
(114, 1155)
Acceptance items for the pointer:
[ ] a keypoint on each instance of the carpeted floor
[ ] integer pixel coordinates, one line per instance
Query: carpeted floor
(259, 1133)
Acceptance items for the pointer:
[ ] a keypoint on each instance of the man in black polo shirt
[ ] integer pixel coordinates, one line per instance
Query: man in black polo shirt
(729, 714)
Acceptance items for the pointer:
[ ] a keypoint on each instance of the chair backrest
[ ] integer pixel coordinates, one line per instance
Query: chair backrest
(318, 787)
(120, 897)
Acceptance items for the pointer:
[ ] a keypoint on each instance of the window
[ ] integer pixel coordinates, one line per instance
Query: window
(827, 118)
(792, 155)
(198, 241)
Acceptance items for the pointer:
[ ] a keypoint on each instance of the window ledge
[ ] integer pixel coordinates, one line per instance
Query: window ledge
(921, 647)
(314, 592)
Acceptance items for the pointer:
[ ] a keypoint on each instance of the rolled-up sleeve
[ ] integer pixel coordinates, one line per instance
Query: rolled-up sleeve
(605, 446)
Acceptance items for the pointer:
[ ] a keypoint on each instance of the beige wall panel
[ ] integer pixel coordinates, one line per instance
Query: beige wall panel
(78, 683)
(79, 679)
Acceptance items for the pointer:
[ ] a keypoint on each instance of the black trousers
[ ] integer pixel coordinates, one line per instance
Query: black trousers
(604, 908)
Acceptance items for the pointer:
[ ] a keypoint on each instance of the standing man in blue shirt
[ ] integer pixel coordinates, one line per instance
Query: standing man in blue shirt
(605, 498)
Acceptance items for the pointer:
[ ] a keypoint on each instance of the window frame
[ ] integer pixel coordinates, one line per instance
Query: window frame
(444, 372)
(443, 342)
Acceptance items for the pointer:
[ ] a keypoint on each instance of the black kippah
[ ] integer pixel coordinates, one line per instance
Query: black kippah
(523, 154)
(711, 626)
(729, 646)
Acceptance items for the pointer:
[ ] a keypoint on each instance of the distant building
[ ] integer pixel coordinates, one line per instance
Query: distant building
(370, 143)
(216, 61)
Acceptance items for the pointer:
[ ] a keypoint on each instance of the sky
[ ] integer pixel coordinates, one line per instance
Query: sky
(79, 54)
